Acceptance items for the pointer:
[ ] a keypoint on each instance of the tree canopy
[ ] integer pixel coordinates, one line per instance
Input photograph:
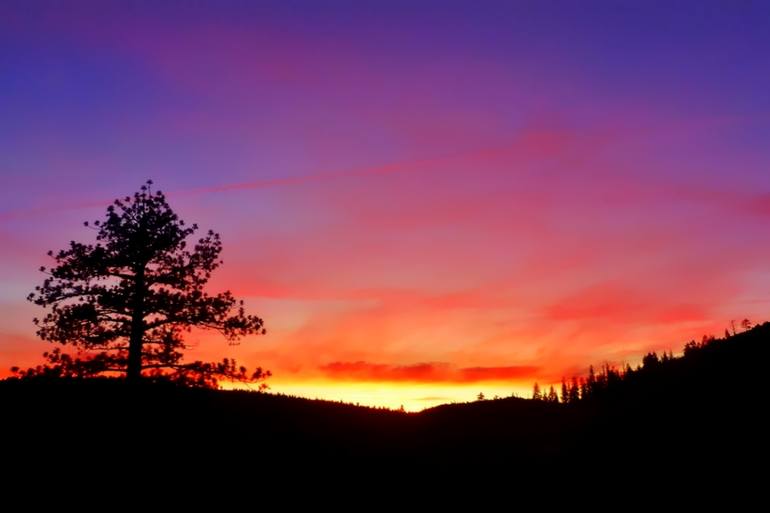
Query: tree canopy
(125, 301)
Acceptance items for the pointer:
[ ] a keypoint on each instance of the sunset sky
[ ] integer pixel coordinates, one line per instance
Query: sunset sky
(423, 200)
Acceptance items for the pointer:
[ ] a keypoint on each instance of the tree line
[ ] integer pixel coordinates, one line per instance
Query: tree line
(609, 378)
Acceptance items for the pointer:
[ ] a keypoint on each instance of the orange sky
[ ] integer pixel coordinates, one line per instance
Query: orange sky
(417, 296)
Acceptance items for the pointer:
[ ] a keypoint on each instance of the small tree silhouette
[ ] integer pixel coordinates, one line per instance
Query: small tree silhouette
(552, 397)
(536, 394)
(125, 301)
(564, 391)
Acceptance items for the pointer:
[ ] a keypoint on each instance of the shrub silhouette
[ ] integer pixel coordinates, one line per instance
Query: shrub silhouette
(125, 301)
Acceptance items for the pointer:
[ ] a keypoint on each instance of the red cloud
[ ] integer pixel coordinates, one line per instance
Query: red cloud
(431, 372)
(474, 374)
(610, 301)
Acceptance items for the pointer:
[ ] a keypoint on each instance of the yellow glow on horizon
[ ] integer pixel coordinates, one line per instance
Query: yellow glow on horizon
(412, 396)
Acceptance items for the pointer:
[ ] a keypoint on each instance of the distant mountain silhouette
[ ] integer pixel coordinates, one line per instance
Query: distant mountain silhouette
(704, 412)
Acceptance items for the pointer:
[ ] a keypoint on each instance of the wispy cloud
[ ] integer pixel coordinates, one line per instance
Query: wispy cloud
(431, 372)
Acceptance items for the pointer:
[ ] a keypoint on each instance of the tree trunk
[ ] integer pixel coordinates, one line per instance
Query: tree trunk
(134, 369)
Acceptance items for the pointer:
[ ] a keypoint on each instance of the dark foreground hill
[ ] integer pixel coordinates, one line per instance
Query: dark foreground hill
(704, 412)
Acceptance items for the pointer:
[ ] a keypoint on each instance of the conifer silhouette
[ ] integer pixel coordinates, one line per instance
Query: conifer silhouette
(125, 301)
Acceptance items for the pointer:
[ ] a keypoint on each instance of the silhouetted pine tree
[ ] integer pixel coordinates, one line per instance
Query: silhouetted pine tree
(574, 391)
(125, 301)
(650, 360)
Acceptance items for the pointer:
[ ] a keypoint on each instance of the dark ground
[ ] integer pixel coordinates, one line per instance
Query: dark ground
(704, 414)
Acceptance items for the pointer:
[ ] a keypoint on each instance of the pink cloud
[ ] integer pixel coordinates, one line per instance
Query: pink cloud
(423, 372)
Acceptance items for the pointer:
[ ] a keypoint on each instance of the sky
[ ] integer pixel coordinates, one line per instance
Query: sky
(423, 200)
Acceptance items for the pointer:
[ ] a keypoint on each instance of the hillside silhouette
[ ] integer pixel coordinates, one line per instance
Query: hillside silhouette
(702, 412)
